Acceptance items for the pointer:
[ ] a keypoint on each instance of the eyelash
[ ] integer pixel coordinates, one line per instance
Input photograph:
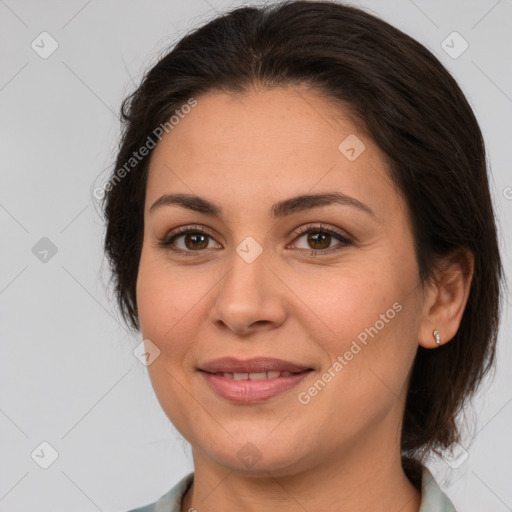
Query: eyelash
(167, 242)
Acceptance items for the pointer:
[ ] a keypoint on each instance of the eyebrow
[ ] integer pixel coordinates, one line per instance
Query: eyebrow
(281, 209)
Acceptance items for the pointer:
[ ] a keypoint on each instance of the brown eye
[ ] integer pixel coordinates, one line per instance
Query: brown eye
(196, 240)
(318, 239)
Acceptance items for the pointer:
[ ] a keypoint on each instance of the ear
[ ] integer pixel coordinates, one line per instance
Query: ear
(446, 300)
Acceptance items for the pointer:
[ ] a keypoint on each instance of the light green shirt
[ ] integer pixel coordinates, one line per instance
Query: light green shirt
(432, 498)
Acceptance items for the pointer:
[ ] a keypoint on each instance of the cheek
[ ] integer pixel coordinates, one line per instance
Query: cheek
(348, 300)
(167, 298)
(173, 305)
(369, 316)
(167, 304)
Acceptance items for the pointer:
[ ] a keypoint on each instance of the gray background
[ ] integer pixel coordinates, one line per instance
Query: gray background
(68, 373)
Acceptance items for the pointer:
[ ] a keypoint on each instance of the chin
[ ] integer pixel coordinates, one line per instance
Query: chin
(262, 457)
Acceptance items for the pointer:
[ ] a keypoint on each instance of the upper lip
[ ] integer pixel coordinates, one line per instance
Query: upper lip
(254, 365)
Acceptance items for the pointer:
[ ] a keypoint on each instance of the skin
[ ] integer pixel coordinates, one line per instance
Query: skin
(340, 451)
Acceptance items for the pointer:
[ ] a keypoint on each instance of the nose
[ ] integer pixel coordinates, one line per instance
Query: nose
(250, 297)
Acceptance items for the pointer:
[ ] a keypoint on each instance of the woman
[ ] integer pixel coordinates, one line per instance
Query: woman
(300, 225)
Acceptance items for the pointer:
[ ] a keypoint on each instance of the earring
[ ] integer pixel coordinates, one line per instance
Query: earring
(437, 337)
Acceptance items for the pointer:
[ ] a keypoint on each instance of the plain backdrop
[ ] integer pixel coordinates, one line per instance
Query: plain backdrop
(68, 375)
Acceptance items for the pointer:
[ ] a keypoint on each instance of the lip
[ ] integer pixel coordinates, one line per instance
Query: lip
(254, 365)
(251, 391)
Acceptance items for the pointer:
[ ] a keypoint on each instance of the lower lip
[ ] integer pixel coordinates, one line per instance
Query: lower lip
(252, 391)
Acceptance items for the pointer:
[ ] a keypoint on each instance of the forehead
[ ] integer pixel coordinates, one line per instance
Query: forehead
(282, 117)
(266, 143)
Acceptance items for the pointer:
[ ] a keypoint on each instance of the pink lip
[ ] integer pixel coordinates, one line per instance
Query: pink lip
(257, 364)
(251, 391)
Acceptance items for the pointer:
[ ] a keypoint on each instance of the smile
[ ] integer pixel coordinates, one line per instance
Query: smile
(252, 388)
(255, 376)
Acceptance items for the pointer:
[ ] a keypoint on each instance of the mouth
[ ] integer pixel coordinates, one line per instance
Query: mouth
(272, 374)
(252, 366)
(252, 381)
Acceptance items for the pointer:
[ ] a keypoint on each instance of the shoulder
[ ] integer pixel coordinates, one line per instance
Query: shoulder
(171, 501)
(433, 499)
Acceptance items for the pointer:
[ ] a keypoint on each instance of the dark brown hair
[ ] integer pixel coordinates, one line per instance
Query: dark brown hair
(412, 108)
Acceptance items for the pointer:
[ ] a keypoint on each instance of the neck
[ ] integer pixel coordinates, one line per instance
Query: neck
(361, 479)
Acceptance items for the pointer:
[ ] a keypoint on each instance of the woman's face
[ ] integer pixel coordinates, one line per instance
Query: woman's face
(344, 305)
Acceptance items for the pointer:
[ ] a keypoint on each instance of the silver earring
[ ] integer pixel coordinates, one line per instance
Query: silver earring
(437, 337)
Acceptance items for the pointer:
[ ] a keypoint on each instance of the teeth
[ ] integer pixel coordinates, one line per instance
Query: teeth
(258, 376)
(271, 374)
